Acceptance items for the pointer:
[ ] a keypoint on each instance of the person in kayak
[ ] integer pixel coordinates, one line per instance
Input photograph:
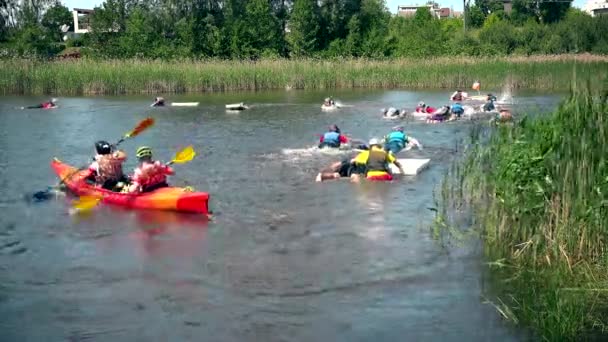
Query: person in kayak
(337, 170)
(457, 110)
(333, 138)
(106, 169)
(396, 141)
(423, 108)
(158, 102)
(149, 175)
(458, 96)
(52, 103)
(375, 163)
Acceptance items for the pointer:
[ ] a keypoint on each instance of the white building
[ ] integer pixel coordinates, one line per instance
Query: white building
(410, 10)
(81, 19)
(596, 7)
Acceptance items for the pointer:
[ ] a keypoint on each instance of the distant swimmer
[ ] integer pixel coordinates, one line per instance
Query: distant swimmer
(337, 170)
(52, 103)
(440, 115)
(333, 138)
(458, 95)
(158, 102)
(392, 112)
(489, 105)
(423, 108)
(457, 110)
(397, 140)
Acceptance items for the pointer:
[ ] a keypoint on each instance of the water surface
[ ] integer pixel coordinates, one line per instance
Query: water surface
(285, 259)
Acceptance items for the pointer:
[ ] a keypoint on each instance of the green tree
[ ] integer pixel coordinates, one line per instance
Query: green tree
(305, 28)
(140, 39)
(261, 30)
(474, 16)
(54, 17)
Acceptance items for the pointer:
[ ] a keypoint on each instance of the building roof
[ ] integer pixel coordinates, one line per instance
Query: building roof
(83, 10)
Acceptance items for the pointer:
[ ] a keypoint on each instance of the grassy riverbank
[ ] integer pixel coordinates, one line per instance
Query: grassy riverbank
(152, 77)
(538, 195)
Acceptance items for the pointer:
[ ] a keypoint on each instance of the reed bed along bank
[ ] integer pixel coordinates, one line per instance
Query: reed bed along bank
(88, 76)
(537, 193)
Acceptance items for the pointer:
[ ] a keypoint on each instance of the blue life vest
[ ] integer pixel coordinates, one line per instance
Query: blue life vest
(457, 108)
(398, 137)
(331, 138)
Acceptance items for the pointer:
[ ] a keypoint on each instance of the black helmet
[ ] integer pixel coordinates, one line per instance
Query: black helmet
(103, 147)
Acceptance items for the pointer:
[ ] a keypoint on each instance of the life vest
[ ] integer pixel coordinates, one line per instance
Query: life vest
(457, 108)
(398, 137)
(331, 138)
(108, 167)
(47, 105)
(150, 174)
(457, 97)
(377, 161)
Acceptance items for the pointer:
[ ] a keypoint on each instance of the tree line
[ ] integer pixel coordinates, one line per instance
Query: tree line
(251, 29)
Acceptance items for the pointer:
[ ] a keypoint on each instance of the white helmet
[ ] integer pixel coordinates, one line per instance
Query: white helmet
(421, 104)
(374, 141)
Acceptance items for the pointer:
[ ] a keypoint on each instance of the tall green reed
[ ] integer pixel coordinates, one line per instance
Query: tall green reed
(88, 76)
(538, 192)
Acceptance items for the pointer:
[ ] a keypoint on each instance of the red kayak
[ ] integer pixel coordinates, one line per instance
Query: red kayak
(169, 198)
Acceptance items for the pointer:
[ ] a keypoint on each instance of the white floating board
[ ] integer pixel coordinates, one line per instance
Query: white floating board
(184, 104)
(236, 106)
(411, 166)
(329, 108)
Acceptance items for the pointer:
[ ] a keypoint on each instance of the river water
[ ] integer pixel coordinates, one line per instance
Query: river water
(284, 258)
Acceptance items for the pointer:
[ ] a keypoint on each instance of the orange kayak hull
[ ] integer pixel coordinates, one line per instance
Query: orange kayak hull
(169, 198)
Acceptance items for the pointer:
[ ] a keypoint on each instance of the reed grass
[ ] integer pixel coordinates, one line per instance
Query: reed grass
(538, 195)
(89, 76)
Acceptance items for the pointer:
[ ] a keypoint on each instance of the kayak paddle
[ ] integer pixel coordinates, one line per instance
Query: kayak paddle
(141, 126)
(183, 156)
(85, 203)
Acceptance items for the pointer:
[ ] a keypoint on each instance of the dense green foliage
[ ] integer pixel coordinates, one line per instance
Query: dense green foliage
(538, 191)
(293, 28)
(86, 76)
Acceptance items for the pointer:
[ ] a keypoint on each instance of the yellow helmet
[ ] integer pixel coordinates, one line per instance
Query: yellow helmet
(143, 152)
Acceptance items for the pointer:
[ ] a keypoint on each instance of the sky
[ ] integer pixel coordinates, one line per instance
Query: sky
(391, 4)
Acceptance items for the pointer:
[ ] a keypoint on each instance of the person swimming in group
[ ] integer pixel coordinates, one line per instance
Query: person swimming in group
(106, 170)
(333, 138)
(375, 162)
(158, 102)
(392, 112)
(397, 140)
(504, 115)
(489, 105)
(457, 110)
(329, 101)
(423, 108)
(337, 170)
(458, 95)
(440, 115)
(149, 175)
(52, 103)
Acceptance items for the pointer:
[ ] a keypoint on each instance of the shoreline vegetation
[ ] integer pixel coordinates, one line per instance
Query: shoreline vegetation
(536, 193)
(134, 76)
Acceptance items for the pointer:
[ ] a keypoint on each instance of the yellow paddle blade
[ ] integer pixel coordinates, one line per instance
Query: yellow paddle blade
(143, 125)
(184, 156)
(86, 202)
